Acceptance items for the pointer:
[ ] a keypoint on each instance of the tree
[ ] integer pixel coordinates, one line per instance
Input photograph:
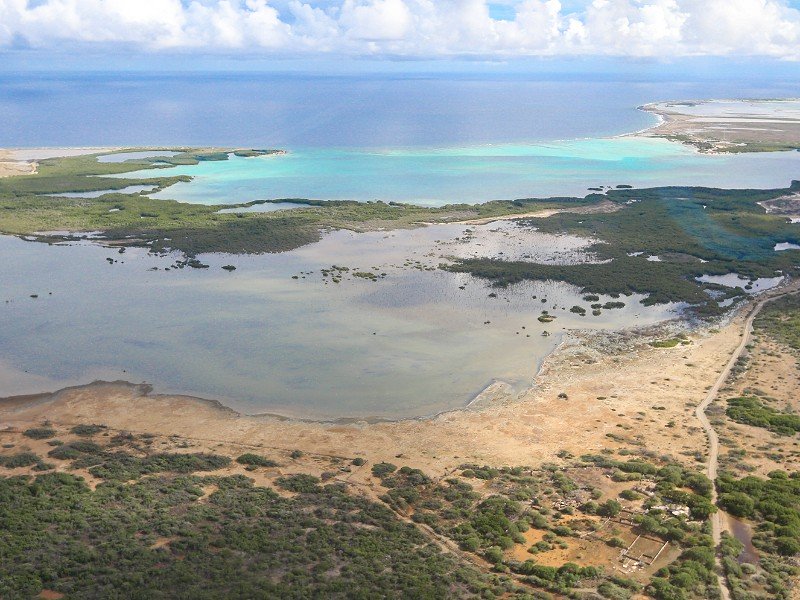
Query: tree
(738, 504)
(609, 508)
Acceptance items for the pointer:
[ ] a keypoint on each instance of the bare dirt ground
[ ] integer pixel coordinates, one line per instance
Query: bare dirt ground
(771, 372)
(10, 165)
(729, 127)
(23, 161)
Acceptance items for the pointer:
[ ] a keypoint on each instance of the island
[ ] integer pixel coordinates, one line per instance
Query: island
(647, 459)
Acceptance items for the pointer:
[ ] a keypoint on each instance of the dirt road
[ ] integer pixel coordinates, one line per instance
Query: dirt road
(713, 439)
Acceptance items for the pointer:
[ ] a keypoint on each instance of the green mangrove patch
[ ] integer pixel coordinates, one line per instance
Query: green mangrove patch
(686, 232)
(692, 232)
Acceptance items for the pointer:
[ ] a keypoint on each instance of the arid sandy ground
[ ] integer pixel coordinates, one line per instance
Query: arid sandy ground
(750, 127)
(23, 161)
(770, 371)
(11, 165)
(641, 397)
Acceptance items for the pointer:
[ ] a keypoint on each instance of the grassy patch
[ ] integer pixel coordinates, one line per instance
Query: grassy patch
(671, 343)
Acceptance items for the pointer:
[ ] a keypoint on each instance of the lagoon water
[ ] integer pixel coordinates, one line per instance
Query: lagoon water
(473, 174)
(411, 343)
(414, 342)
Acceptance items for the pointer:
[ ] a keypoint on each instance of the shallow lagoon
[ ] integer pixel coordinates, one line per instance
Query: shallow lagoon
(412, 343)
(436, 176)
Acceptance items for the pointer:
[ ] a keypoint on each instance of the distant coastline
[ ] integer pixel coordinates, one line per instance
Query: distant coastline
(730, 126)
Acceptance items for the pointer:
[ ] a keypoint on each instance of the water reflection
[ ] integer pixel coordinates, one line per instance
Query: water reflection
(278, 335)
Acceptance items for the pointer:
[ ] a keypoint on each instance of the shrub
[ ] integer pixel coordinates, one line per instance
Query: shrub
(609, 508)
(256, 460)
(87, 430)
(383, 468)
(738, 504)
(494, 555)
(630, 495)
(39, 433)
(300, 483)
(751, 411)
(612, 591)
(661, 589)
(23, 459)
(786, 545)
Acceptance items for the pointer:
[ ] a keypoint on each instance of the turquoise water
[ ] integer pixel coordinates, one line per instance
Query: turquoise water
(436, 176)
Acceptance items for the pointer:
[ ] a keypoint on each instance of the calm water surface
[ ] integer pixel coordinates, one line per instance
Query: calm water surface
(412, 343)
(436, 176)
(300, 110)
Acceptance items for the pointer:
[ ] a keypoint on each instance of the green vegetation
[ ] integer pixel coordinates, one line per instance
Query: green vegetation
(692, 575)
(16, 461)
(671, 343)
(152, 539)
(300, 483)
(164, 521)
(751, 411)
(39, 433)
(135, 219)
(256, 460)
(383, 468)
(516, 499)
(122, 466)
(781, 320)
(695, 231)
(87, 430)
(771, 579)
(773, 502)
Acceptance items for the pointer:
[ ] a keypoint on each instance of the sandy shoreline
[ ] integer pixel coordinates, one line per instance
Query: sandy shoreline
(727, 125)
(721, 131)
(23, 161)
(605, 395)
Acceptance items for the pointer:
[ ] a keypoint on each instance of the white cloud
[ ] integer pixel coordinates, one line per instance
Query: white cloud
(413, 28)
(375, 19)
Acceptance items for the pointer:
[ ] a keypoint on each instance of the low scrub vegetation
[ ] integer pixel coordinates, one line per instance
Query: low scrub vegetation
(752, 411)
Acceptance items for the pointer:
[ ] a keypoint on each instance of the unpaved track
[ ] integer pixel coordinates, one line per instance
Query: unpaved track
(713, 439)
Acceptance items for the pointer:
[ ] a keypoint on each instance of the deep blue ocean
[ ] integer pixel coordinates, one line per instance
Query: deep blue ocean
(361, 111)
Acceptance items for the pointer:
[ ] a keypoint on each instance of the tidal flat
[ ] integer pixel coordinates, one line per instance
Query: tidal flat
(355, 325)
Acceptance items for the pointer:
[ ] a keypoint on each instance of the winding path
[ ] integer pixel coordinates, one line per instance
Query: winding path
(713, 439)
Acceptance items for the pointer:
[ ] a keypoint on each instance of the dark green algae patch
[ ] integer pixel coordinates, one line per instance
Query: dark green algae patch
(694, 231)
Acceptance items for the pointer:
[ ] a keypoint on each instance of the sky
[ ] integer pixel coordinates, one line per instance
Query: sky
(398, 30)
